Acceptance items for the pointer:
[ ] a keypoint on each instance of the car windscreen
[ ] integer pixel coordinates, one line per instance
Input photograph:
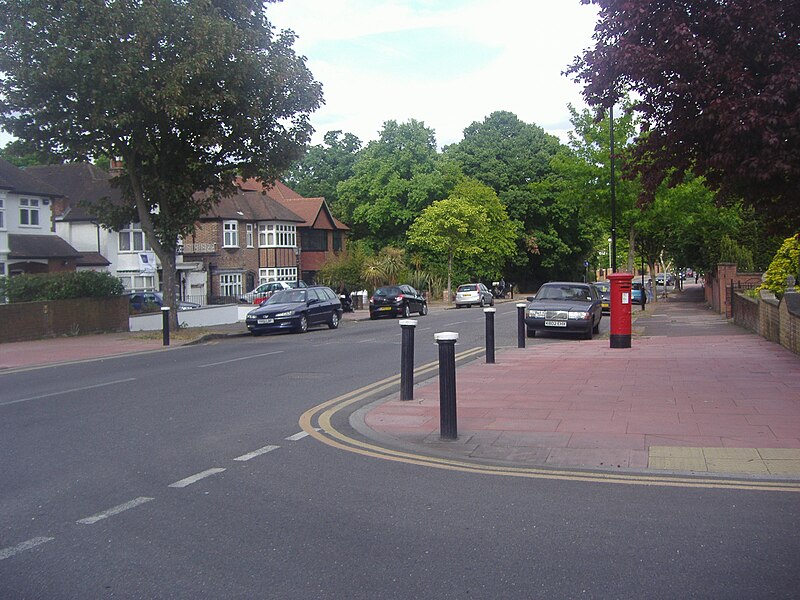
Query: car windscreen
(287, 296)
(564, 292)
(603, 286)
(388, 291)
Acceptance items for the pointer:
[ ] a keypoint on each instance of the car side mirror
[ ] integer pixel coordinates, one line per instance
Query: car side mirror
(529, 298)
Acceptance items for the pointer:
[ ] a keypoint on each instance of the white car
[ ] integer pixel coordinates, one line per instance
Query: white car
(265, 290)
(473, 293)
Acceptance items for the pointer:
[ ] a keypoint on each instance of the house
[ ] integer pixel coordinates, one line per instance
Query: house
(321, 235)
(28, 241)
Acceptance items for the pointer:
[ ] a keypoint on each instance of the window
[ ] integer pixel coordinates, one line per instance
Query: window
(230, 234)
(134, 282)
(272, 235)
(132, 239)
(277, 274)
(314, 239)
(29, 212)
(249, 235)
(337, 241)
(2, 215)
(230, 284)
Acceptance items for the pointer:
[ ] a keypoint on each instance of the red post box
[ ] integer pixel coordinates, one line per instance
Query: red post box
(620, 309)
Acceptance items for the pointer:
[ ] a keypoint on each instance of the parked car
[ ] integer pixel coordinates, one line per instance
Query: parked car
(662, 277)
(152, 301)
(296, 310)
(397, 300)
(604, 288)
(473, 294)
(566, 306)
(265, 290)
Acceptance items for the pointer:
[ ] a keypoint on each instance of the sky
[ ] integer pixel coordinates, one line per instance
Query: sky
(447, 63)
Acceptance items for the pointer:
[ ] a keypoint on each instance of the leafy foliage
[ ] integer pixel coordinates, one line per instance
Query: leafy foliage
(785, 263)
(188, 95)
(60, 286)
(718, 84)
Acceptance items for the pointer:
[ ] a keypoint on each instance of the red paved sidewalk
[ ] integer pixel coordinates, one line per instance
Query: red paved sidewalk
(583, 404)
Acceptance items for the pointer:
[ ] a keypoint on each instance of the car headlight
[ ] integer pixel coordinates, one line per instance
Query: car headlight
(286, 313)
(580, 316)
(536, 314)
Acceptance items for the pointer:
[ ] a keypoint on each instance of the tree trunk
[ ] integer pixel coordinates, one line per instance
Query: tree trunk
(449, 272)
(631, 246)
(168, 287)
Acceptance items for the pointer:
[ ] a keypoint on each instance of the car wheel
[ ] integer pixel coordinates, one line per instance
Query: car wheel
(458, 306)
(491, 301)
(406, 311)
(482, 303)
(588, 334)
(372, 316)
(302, 327)
(334, 322)
(424, 310)
(531, 333)
(596, 328)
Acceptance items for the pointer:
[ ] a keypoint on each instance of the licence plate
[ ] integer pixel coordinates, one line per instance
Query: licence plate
(265, 321)
(555, 323)
(385, 308)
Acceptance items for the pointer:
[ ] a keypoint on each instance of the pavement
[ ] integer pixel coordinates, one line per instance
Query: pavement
(695, 394)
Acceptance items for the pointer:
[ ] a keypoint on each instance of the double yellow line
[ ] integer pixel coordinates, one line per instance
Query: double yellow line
(317, 422)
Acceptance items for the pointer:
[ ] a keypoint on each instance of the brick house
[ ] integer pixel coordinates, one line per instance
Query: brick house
(28, 241)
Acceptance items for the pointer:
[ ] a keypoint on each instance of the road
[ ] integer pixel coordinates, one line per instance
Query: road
(185, 474)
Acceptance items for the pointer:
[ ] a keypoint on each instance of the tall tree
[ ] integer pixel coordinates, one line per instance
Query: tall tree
(394, 178)
(718, 83)
(187, 94)
(325, 165)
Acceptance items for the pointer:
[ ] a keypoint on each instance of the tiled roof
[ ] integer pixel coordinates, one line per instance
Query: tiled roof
(92, 259)
(23, 246)
(251, 206)
(14, 179)
(78, 182)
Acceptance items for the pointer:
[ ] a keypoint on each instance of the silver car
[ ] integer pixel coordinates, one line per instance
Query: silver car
(471, 294)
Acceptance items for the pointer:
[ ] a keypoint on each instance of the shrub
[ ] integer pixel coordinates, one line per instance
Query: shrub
(785, 263)
(60, 286)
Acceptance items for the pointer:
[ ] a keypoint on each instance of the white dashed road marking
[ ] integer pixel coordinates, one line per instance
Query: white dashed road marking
(225, 362)
(114, 511)
(9, 552)
(80, 389)
(299, 436)
(195, 478)
(255, 453)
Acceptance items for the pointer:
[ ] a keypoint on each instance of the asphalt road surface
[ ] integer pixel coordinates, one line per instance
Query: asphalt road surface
(185, 474)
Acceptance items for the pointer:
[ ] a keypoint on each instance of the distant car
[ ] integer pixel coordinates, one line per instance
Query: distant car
(662, 277)
(473, 294)
(604, 287)
(152, 301)
(265, 290)
(565, 306)
(397, 300)
(296, 310)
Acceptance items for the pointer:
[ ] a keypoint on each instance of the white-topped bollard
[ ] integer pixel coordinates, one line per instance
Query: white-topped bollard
(407, 359)
(489, 312)
(521, 324)
(165, 324)
(448, 420)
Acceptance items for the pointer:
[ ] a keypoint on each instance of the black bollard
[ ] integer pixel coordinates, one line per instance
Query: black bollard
(521, 325)
(165, 324)
(448, 422)
(407, 359)
(489, 312)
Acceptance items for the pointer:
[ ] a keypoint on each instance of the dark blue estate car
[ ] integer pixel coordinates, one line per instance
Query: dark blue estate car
(296, 310)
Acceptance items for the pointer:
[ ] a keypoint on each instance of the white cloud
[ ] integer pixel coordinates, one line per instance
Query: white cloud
(527, 45)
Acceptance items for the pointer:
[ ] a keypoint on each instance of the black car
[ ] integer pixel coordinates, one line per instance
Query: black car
(397, 300)
(296, 310)
(604, 288)
(565, 306)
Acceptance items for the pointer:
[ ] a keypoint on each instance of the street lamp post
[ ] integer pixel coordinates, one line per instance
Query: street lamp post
(610, 267)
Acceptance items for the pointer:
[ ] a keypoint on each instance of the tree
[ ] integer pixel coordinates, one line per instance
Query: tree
(718, 83)
(471, 226)
(188, 94)
(322, 168)
(394, 179)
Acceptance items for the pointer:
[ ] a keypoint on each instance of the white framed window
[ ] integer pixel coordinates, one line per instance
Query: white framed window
(2, 269)
(230, 284)
(249, 235)
(132, 239)
(2, 215)
(276, 235)
(277, 274)
(29, 212)
(134, 282)
(230, 235)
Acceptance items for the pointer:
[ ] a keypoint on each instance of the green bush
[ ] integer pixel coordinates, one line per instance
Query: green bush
(785, 263)
(60, 286)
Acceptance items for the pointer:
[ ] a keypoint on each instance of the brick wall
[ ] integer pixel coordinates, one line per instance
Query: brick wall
(790, 322)
(21, 321)
(718, 285)
(745, 312)
(769, 323)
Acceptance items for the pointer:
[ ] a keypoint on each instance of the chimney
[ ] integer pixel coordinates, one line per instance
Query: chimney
(115, 167)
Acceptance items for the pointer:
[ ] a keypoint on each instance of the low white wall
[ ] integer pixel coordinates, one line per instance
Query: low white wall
(204, 316)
